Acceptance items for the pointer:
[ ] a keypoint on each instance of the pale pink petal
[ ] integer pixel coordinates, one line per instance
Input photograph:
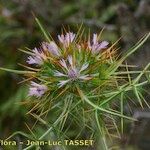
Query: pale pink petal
(59, 74)
(37, 89)
(95, 39)
(31, 60)
(85, 77)
(62, 83)
(70, 60)
(66, 39)
(53, 49)
(63, 63)
(71, 36)
(61, 38)
(103, 45)
(36, 51)
(84, 66)
(34, 60)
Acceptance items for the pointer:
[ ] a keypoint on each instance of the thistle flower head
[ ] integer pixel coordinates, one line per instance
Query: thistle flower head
(66, 63)
(72, 72)
(67, 39)
(38, 57)
(51, 47)
(95, 46)
(37, 89)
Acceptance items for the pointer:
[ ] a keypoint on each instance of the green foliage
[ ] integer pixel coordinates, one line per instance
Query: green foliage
(18, 29)
(85, 106)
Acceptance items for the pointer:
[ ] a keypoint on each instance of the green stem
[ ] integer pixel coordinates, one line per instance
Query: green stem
(100, 129)
(102, 109)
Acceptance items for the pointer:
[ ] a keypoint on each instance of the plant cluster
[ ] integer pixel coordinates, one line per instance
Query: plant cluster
(83, 84)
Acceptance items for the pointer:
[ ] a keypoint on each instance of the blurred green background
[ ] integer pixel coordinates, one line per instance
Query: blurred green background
(128, 19)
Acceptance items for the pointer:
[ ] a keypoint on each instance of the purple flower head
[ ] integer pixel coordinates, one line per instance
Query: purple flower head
(37, 89)
(72, 72)
(34, 60)
(51, 47)
(96, 46)
(66, 39)
(37, 58)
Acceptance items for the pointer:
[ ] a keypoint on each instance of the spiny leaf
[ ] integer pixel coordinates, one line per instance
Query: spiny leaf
(42, 29)
(100, 108)
(113, 68)
(17, 71)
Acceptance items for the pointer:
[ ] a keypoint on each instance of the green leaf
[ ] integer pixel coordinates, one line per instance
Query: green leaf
(42, 29)
(17, 71)
(100, 108)
(115, 66)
